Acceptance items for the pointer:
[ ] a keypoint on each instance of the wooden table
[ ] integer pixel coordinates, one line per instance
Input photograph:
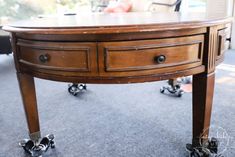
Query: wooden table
(120, 48)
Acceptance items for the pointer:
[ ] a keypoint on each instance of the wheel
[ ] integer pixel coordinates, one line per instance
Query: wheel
(177, 86)
(44, 144)
(201, 152)
(213, 145)
(82, 87)
(206, 152)
(52, 144)
(27, 145)
(192, 152)
(214, 142)
(195, 154)
(23, 142)
(73, 89)
(49, 141)
(162, 90)
(180, 93)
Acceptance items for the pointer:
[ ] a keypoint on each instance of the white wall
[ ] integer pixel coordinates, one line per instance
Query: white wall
(184, 8)
(220, 7)
(233, 29)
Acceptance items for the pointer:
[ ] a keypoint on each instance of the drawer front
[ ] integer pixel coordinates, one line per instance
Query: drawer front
(150, 56)
(58, 57)
(223, 43)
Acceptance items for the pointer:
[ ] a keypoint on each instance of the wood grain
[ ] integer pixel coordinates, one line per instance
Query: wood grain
(121, 48)
(203, 91)
(27, 89)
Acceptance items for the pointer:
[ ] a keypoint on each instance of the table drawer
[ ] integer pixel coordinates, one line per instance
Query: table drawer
(56, 56)
(223, 43)
(151, 56)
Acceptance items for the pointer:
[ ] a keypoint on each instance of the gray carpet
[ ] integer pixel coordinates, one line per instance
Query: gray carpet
(132, 120)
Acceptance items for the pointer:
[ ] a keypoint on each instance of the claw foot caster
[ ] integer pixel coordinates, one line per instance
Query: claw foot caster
(75, 88)
(173, 87)
(37, 149)
(207, 149)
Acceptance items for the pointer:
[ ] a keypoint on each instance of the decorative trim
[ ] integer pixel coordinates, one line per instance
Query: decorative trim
(212, 49)
(39, 66)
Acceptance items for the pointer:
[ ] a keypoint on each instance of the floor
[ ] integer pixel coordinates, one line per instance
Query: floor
(132, 120)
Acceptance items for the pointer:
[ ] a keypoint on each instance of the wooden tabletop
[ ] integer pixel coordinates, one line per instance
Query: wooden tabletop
(101, 22)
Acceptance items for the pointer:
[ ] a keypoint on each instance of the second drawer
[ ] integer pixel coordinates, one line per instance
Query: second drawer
(150, 56)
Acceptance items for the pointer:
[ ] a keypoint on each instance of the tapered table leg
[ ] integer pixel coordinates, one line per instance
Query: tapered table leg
(28, 94)
(203, 90)
(36, 145)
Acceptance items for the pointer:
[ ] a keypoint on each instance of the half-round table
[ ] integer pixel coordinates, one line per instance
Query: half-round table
(119, 48)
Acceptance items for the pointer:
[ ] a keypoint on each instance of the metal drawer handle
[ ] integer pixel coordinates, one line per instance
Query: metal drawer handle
(44, 58)
(160, 59)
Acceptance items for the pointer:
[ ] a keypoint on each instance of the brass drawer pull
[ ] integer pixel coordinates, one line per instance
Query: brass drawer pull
(160, 59)
(44, 58)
